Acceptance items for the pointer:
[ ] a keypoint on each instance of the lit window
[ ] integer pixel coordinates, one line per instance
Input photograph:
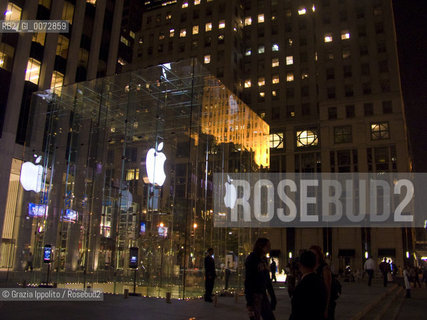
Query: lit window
(262, 94)
(124, 40)
(380, 131)
(221, 37)
(289, 60)
(313, 8)
(273, 18)
(261, 18)
(13, 12)
(184, 5)
(274, 93)
(304, 75)
(183, 33)
(275, 47)
(68, 12)
(276, 140)
(248, 21)
(196, 2)
(207, 59)
(39, 37)
(345, 35)
(248, 52)
(261, 49)
(90, 1)
(290, 42)
(168, 16)
(208, 26)
(62, 46)
(328, 37)
(57, 79)
(221, 24)
(132, 174)
(248, 83)
(33, 71)
(195, 29)
(275, 79)
(290, 77)
(307, 138)
(275, 62)
(161, 36)
(171, 33)
(302, 11)
(261, 82)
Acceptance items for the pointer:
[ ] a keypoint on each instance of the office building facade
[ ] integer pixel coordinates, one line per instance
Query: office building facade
(323, 74)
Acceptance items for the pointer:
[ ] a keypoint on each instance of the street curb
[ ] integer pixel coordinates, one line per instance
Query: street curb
(371, 306)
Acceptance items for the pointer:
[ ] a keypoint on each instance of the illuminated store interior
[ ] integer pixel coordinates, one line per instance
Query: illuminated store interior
(127, 161)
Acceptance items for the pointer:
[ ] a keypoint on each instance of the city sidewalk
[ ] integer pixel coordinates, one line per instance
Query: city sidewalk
(416, 306)
(355, 297)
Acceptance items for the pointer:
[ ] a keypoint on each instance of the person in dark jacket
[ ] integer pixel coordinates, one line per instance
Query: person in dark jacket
(309, 298)
(273, 269)
(210, 275)
(258, 283)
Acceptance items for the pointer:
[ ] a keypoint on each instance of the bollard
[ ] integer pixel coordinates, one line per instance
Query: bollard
(168, 297)
(126, 293)
(236, 297)
(215, 300)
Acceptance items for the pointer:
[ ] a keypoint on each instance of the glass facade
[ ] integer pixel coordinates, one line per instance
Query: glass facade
(127, 162)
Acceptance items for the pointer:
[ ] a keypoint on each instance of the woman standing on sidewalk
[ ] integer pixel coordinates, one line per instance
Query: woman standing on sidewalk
(324, 272)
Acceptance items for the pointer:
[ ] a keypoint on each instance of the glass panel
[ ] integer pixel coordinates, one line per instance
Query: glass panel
(128, 161)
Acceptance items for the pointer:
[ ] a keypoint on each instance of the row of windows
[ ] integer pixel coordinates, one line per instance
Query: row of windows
(32, 74)
(368, 110)
(342, 134)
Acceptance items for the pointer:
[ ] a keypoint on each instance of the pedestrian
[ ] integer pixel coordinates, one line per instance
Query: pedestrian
(385, 269)
(309, 300)
(323, 271)
(273, 269)
(406, 281)
(369, 267)
(414, 274)
(29, 262)
(210, 275)
(227, 275)
(425, 275)
(258, 283)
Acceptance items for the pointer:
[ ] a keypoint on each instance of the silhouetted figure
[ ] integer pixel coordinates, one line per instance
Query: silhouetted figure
(258, 283)
(370, 268)
(227, 275)
(385, 269)
(273, 269)
(210, 275)
(29, 262)
(309, 300)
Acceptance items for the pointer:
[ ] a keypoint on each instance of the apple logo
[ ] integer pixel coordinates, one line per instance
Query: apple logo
(154, 163)
(230, 194)
(31, 176)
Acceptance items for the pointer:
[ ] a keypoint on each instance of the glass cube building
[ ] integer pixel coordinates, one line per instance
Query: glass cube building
(127, 162)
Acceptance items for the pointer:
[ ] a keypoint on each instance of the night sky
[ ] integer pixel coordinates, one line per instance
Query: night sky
(411, 28)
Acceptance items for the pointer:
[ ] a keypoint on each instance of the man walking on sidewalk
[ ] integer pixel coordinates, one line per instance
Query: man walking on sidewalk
(369, 268)
(385, 269)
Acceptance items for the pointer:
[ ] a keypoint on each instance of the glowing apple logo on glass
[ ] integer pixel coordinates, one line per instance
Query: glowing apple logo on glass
(230, 194)
(155, 165)
(32, 176)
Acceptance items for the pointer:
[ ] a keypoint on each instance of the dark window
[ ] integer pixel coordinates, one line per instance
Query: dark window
(365, 69)
(331, 93)
(330, 73)
(367, 88)
(387, 107)
(290, 92)
(305, 109)
(347, 71)
(379, 27)
(349, 111)
(368, 109)
(290, 111)
(383, 66)
(343, 134)
(275, 113)
(332, 113)
(348, 90)
(305, 91)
